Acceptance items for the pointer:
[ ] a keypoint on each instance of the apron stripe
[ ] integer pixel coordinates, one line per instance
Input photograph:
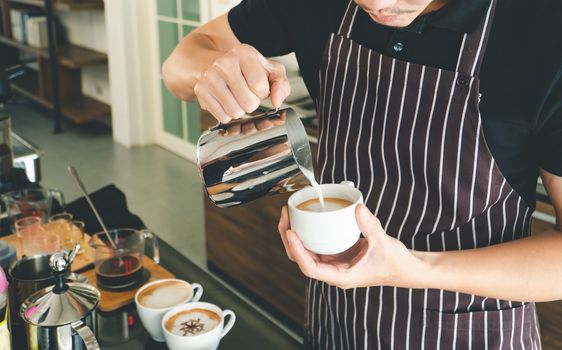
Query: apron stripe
(370, 148)
(367, 89)
(331, 319)
(440, 181)
(333, 80)
(393, 326)
(365, 327)
(346, 143)
(424, 326)
(323, 96)
(385, 118)
(474, 167)
(482, 38)
(380, 307)
(339, 115)
(461, 51)
(413, 129)
(396, 148)
(426, 154)
(409, 322)
(354, 319)
(346, 20)
(322, 307)
(460, 138)
(345, 329)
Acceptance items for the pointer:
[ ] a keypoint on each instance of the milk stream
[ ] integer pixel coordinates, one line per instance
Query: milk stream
(310, 176)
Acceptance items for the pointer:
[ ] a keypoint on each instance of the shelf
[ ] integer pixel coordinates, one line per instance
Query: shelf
(79, 110)
(69, 55)
(63, 6)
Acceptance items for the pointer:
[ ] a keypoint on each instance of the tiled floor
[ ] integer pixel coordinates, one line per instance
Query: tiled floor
(162, 188)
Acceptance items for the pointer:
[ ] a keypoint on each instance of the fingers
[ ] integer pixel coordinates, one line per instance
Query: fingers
(210, 104)
(369, 225)
(283, 227)
(255, 75)
(311, 265)
(237, 82)
(280, 87)
(232, 73)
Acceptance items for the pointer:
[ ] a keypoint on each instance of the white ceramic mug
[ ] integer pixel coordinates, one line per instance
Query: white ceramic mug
(205, 341)
(151, 318)
(328, 232)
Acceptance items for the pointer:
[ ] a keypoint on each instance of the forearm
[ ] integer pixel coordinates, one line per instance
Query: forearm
(182, 69)
(528, 269)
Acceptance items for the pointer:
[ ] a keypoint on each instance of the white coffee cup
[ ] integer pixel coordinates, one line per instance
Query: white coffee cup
(151, 317)
(327, 232)
(205, 341)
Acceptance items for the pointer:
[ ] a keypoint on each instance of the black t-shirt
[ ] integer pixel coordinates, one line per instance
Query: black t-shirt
(521, 75)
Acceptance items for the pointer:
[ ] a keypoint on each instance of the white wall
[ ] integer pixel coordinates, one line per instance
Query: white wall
(87, 29)
(219, 7)
(131, 54)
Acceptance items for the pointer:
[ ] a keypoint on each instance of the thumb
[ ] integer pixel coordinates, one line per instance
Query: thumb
(369, 225)
(279, 86)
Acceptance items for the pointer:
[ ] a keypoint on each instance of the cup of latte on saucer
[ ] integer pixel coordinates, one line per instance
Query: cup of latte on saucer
(196, 326)
(156, 298)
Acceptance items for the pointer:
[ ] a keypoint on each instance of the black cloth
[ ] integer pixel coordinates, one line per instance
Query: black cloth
(111, 204)
(521, 76)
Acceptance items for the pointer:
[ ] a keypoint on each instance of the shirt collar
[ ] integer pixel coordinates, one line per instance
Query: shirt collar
(460, 15)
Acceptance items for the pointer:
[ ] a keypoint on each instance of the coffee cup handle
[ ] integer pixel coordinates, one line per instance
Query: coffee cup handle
(348, 183)
(228, 325)
(198, 292)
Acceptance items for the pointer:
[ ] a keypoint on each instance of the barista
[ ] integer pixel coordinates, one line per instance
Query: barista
(444, 113)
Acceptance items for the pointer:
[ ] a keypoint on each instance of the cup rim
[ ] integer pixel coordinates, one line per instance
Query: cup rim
(183, 302)
(189, 306)
(357, 200)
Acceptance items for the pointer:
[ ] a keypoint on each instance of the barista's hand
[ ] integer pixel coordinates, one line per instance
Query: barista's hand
(238, 81)
(376, 260)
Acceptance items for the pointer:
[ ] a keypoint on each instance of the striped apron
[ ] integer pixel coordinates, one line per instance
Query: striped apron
(410, 137)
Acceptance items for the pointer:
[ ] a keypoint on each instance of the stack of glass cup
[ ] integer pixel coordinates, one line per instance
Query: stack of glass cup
(60, 232)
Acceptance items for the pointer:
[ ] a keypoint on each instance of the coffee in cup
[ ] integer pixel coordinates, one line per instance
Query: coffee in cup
(197, 325)
(329, 230)
(330, 204)
(154, 299)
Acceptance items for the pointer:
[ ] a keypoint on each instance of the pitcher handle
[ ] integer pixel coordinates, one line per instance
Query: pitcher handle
(57, 194)
(87, 335)
(155, 250)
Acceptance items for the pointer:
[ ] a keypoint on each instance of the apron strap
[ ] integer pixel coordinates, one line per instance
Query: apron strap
(348, 19)
(474, 45)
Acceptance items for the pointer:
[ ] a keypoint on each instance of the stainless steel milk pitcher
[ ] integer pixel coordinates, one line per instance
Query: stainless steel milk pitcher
(251, 157)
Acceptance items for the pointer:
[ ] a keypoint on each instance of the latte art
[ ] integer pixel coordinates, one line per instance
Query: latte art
(330, 204)
(188, 323)
(165, 294)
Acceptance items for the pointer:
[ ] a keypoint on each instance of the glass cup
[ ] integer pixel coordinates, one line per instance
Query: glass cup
(60, 224)
(34, 238)
(121, 266)
(28, 231)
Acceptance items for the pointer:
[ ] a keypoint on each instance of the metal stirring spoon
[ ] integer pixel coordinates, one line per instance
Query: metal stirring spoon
(76, 177)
